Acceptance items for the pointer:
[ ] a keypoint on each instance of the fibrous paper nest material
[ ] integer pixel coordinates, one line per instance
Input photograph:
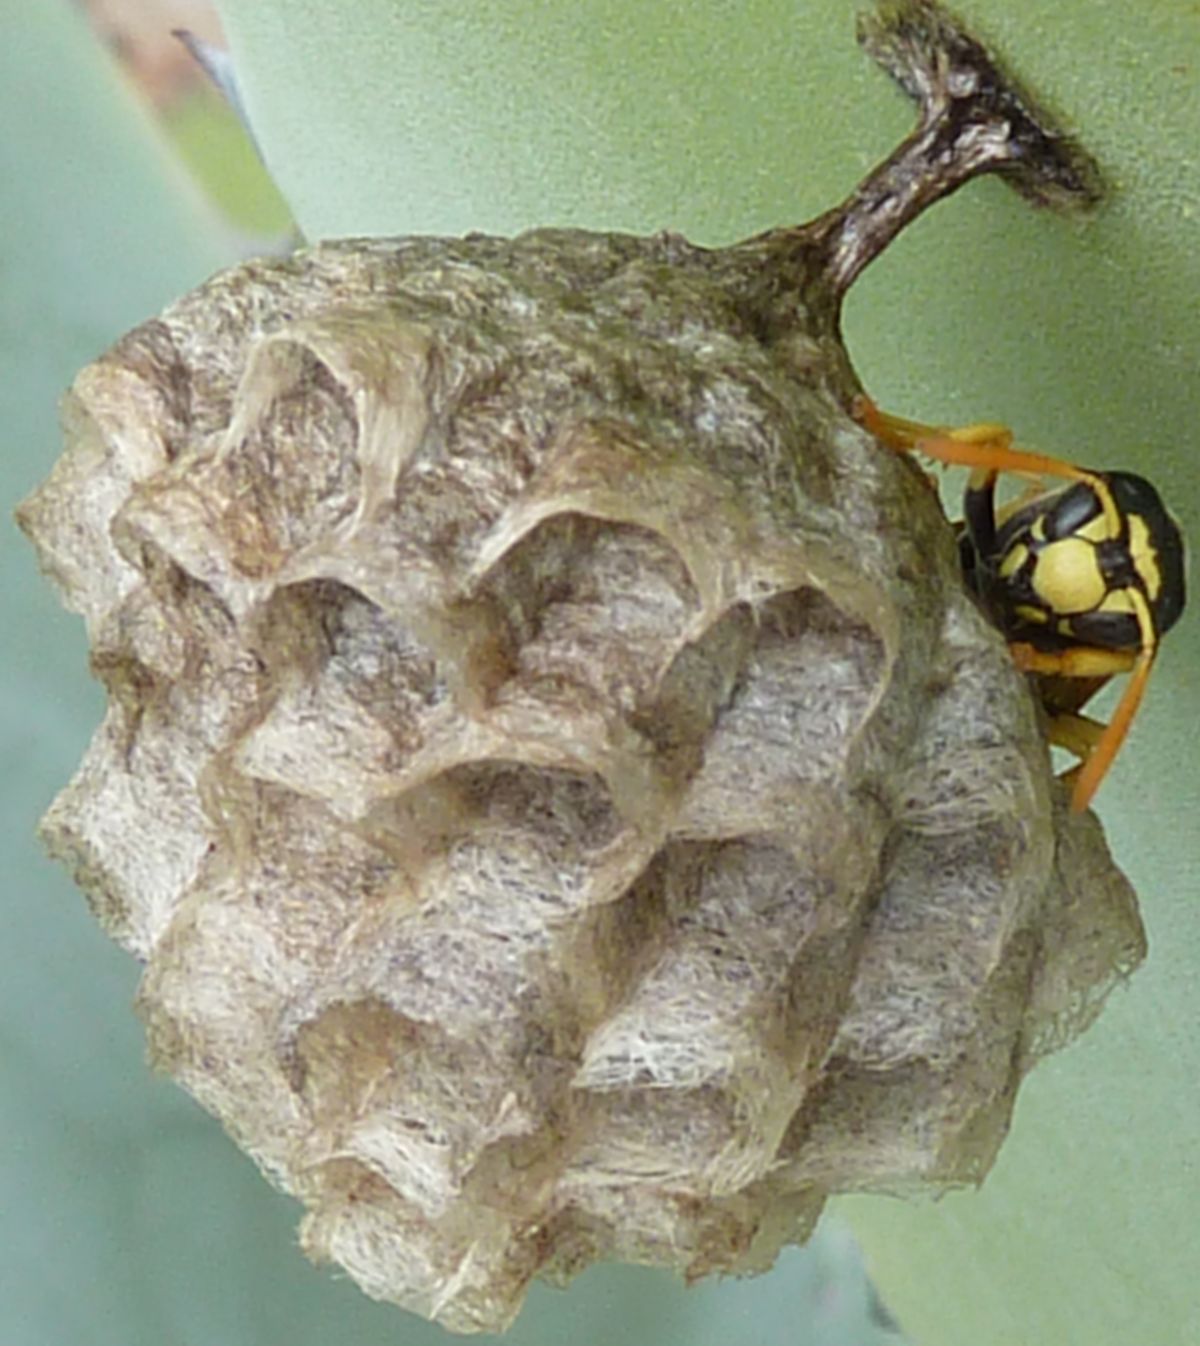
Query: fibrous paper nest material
(564, 798)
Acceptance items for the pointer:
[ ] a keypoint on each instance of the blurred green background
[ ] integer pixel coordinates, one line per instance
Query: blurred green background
(125, 1215)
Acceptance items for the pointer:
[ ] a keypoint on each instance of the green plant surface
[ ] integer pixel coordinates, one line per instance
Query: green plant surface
(398, 116)
(214, 145)
(99, 227)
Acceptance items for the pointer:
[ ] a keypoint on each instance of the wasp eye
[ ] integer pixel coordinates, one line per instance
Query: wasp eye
(1074, 508)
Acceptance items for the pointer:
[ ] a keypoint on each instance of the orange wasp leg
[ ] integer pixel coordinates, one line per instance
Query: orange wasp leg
(986, 448)
(905, 436)
(1076, 733)
(1098, 745)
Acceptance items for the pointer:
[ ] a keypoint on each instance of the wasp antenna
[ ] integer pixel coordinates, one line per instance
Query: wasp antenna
(974, 119)
(1093, 771)
(1100, 759)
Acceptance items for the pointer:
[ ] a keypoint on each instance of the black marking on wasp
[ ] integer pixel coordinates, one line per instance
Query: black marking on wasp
(1084, 580)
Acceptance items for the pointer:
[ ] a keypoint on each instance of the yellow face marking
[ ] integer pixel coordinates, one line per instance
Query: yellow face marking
(1111, 514)
(1027, 613)
(1145, 620)
(1067, 576)
(1096, 530)
(1118, 600)
(1016, 558)
(1037, 529)
(1145, 558)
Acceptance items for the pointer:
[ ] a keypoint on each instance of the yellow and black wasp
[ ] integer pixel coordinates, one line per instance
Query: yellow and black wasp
(1083, 579)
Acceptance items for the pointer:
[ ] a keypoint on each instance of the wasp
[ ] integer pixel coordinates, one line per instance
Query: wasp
(1083, 578)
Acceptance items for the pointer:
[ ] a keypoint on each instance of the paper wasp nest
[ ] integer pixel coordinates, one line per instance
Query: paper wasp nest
(565, 800)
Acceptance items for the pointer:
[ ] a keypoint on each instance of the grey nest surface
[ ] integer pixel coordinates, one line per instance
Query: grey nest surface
(566, 802)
